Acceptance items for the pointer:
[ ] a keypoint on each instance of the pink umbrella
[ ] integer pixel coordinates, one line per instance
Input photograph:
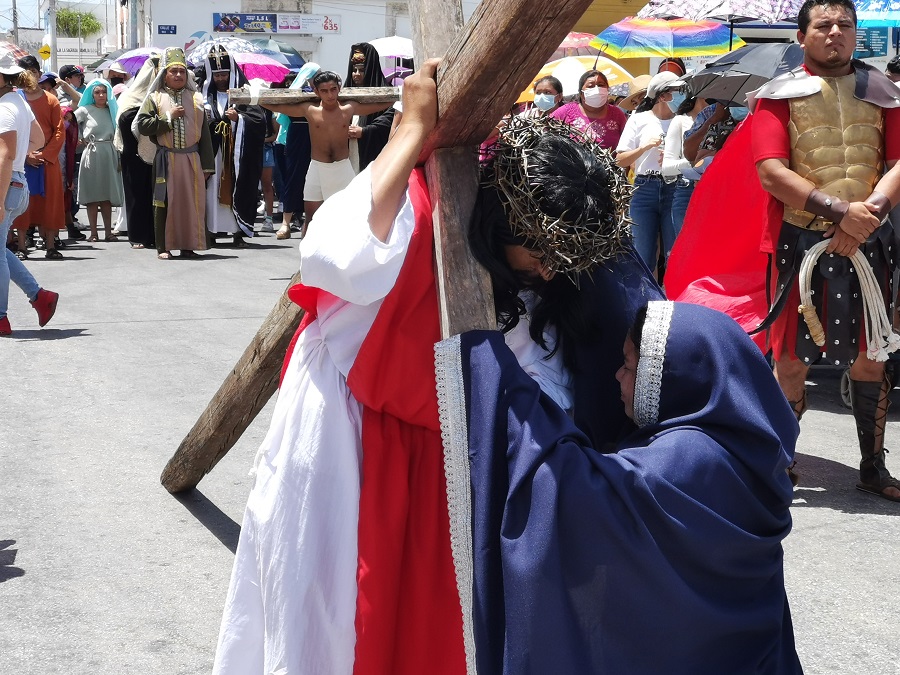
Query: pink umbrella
(260, 66)
(575, 44)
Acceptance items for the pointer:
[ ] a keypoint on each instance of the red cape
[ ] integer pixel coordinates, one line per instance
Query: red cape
(720, 258)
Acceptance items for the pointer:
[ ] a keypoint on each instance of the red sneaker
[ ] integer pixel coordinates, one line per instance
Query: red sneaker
(45, 306)
(5, 328)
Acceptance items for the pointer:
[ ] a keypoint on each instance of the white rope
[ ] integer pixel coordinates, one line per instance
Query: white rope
(880, 336)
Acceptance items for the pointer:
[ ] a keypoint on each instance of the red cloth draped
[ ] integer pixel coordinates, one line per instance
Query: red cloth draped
(408, 616)
(720, 257)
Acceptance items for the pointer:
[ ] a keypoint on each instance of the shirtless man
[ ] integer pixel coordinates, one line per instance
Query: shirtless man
(330, 170)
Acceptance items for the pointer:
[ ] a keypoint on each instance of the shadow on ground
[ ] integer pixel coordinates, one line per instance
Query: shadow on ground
(48, 334)
(7, 561)
(827, 484)
(211, 517)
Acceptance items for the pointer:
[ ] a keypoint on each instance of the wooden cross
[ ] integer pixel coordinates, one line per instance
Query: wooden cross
(485, 67)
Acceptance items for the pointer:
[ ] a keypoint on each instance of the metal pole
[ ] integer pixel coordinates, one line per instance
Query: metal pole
(133, 24)
(52, 21)
(79, 39)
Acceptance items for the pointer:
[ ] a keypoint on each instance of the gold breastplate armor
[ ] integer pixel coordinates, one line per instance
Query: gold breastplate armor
(837, 143)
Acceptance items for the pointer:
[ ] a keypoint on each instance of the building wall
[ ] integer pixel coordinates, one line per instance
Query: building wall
(360, 21)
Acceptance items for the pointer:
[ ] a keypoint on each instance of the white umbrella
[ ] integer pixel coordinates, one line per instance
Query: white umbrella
(393, 47)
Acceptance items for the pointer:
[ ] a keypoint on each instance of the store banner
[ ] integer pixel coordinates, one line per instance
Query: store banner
(244, 23)
(306, 24)
(311, 24)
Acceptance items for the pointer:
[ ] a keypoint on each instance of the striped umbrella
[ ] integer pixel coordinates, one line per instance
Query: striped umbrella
(15, 50)
(726, 11)
(641, 38)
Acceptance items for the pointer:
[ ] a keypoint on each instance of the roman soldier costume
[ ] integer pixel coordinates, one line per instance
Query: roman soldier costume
(841, 131)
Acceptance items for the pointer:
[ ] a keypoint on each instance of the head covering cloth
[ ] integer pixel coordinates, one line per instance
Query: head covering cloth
(87, 97)
(133, 97)
(366, 54)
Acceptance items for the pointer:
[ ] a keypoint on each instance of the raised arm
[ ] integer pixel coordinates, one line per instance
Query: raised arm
(390, 171)
(365, 108)
(289, 109)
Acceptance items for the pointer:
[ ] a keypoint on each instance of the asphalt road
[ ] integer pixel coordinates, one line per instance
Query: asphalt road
(102, 572)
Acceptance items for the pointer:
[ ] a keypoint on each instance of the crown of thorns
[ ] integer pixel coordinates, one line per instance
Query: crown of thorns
(571, 242)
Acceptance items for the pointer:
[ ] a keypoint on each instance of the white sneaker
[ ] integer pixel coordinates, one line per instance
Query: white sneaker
(267, 226)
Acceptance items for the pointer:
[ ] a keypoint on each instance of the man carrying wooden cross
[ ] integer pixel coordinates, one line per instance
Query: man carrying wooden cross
(344, 562)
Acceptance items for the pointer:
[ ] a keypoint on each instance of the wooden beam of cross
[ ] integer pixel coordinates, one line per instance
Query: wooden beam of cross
(485, 66)
(386, 95)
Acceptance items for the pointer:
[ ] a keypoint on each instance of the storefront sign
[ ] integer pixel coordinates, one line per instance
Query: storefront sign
(244, 23)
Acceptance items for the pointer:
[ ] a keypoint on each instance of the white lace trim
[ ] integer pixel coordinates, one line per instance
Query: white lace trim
(455, 437)
(648, 380)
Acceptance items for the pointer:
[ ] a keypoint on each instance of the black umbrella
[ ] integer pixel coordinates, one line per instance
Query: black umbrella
(730, 77)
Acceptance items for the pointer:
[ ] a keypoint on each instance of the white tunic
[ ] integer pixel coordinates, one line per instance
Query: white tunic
(291, 604)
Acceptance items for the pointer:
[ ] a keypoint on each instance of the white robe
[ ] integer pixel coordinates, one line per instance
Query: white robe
(291, 604)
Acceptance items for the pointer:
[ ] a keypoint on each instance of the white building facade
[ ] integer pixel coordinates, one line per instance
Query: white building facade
(322, 31)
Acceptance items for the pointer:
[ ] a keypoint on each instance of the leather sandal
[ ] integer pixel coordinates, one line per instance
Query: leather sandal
(879, 489)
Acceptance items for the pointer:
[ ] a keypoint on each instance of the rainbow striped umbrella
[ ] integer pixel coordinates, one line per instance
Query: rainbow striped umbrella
(641, 38)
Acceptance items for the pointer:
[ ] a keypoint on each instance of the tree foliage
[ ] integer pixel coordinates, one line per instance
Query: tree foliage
(67, 23)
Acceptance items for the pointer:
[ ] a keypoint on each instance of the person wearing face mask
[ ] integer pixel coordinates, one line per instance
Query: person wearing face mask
(679, 156)
(592, 113)
(548, 93)
(641, 146)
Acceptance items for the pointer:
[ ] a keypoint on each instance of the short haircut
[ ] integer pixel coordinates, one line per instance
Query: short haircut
(803, 14)
(588, 75)
(326, 76)
(552, 81)
(893, 66)
(29, 62)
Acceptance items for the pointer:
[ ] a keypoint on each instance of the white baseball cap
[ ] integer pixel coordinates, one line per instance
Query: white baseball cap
(662, 82)
(8, 65)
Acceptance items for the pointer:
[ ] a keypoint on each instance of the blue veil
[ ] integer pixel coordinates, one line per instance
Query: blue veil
(87, 97)
(662, 557)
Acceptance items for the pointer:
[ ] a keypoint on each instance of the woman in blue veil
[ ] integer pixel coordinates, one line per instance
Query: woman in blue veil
(664, 556)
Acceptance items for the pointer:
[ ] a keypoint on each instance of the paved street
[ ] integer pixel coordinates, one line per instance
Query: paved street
(102, 572)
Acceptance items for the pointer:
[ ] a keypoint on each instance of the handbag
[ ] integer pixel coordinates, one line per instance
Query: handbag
(34, 176)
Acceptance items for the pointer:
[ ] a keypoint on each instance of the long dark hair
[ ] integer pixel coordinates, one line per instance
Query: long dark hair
(648, 103)
(686, 105)
(567, 177)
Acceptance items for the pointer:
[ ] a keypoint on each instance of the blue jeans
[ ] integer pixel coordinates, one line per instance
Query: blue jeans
(651, 212)
(11, 268)
(684, 188)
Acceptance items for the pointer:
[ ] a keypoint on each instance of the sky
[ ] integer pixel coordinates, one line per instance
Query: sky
(28, 14)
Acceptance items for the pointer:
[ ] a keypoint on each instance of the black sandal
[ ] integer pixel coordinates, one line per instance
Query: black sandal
(53, 254)
(889, 482)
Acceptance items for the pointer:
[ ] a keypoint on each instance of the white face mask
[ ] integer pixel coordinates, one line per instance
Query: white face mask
(544, 101)
(595, 97)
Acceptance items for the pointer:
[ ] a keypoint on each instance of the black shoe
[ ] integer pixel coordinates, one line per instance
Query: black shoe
(75, 234)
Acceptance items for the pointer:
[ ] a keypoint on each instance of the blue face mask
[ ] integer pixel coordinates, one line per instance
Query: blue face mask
(677, 100)
(544, 101)
(738, 113)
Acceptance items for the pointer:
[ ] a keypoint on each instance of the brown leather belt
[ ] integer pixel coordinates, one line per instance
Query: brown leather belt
(15, 183)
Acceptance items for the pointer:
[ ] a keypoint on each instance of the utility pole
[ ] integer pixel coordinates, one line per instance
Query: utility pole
(15, 18)
(51, 20)
(133, 24)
